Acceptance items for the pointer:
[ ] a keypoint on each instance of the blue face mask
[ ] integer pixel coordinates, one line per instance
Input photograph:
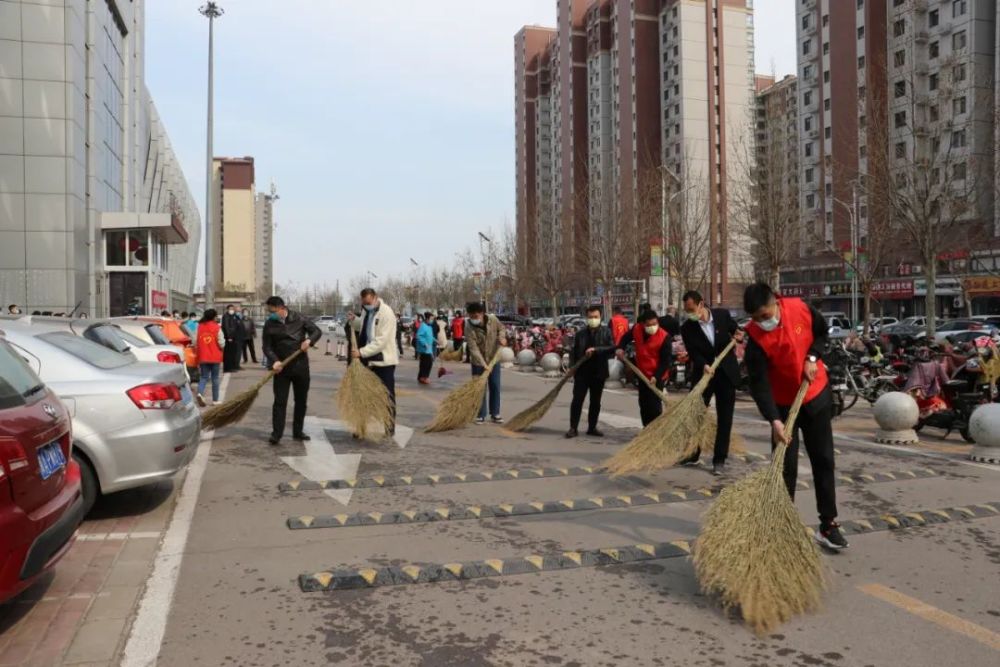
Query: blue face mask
(370, 308)
(274, 317)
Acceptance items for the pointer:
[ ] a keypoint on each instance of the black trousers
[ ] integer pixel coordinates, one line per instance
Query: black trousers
(650, 405)
(582, 385)
(296, 378)
(231, 355)
(426, 361)
(725, 405)
(248, 347)
(457, 343)
(387, 374)
(815, 423)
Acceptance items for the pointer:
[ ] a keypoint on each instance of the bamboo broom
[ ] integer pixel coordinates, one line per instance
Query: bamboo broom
(755, 552)
(665, 440)
(237, 408)
(362, 398)
(524, 419)
(461, 406)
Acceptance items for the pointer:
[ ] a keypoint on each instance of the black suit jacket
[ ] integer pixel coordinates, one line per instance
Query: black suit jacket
(604, 348)
(702, 353)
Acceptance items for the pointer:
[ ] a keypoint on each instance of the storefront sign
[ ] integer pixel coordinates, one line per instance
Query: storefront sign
(656, 260)
(982, 286)
(882, 289)
(892, 289)
(159, 301)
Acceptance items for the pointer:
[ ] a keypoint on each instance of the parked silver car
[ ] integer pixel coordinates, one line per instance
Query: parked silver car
(134, 422)
(105, 333)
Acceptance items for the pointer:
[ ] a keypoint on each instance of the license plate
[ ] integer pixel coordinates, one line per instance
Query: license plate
(50, 459)
(186, 395)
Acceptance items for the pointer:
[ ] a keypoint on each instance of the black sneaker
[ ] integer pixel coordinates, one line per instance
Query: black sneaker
(572, 433)
(595, 433)
(274, 439)
(829, 536)
(302, 437)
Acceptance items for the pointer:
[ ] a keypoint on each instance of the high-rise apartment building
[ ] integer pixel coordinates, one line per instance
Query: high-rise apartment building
(906, 85)
(777, 158)
(654, 83)
(264, 252)
(95, 212)
(235, 200)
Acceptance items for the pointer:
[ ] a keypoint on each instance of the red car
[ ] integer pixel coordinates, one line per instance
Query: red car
(41, 503)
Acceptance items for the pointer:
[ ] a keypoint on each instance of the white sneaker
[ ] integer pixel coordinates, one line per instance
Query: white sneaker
(200, 400)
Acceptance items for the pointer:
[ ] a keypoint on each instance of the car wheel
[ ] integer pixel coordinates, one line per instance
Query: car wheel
(88, 480)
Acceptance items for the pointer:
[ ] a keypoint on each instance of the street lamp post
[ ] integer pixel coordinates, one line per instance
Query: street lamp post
(212, 11)
(852, 209)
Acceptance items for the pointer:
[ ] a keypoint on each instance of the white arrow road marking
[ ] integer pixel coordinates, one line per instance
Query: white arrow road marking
(403, 435)
(321, 462)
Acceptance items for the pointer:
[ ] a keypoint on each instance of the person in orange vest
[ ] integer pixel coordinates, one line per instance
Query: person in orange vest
(209, 343)
(787, 341)
(618, 324)
(653, 353)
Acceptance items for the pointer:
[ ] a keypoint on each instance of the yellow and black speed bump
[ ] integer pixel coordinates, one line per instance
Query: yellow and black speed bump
(504, 510)
(381, 482)
(342, 579)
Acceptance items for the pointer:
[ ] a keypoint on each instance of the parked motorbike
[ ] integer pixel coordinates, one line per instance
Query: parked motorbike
(952, 409)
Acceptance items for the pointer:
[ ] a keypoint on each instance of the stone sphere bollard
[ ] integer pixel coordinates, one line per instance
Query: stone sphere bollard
(551, 364)
(526, 360)
(985, 430)
(506, 357)
(616, 371)
(896, 414)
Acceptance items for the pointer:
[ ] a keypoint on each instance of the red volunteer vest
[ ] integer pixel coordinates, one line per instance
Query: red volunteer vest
(786, 349)
(458, 328)
(619, 327)
(647, 349)
(207, 343)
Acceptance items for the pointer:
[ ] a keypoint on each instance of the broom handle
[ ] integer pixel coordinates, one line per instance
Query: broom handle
(793, 415)
(649, 383)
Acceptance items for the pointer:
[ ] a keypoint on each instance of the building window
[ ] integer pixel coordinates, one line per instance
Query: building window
(958, 171)
(827, 132)
(861, 62)
(897, 3)
(826, 104)
(934, 113)
(899, 28)
(863, 151)
(958, 105)
(933, 18)
(899, 58)
(809, 175)
(959, 72)
(826, 76)
(958, 41)
(932, 81)
(809, 149)
(861, 32)
(933, 50)
(958, 139)
(807, 98)
(826, 48)
(862, 91)
(807, 71)
(958, 8)
(900, 119)
(900, 149)
(861, 4)
(826, 20)
(899, 89)
(808, 123)
(805, 21)
(810, 201)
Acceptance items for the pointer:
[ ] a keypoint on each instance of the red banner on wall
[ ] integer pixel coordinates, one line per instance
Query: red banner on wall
(159, 300)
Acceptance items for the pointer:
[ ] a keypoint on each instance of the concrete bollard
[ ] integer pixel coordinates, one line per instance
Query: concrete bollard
(896, 414)
(984, 426)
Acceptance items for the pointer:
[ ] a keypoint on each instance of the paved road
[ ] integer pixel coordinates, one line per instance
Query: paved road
(526, 568)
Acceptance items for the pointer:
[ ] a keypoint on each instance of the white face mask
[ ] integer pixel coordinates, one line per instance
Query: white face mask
(476, 322)
(594, 322)
(652, 329)
(770, 324)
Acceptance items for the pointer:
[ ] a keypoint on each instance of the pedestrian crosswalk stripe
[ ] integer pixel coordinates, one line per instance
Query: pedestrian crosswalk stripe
(343, 579)
(644, 498)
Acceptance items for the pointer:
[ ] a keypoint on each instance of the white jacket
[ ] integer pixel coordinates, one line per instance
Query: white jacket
(383, 337)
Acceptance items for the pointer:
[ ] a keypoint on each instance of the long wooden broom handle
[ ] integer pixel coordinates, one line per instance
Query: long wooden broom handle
(649, 383)
(778, 457)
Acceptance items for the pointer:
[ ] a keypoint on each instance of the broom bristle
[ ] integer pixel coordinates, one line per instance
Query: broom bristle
(756, 554)
(704, 439)
(524, 419)
(451, 355)
(462, 405)
(663, 442)
(362, 400)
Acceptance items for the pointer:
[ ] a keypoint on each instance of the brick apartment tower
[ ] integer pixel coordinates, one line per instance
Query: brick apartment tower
(529, 45)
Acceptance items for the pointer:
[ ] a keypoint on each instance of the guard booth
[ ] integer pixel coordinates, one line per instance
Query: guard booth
(136, 279)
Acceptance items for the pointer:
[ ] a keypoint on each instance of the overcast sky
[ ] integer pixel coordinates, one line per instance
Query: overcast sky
(386, 126)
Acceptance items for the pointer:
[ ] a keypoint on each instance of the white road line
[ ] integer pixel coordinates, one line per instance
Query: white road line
(146, 636)
(102, 537)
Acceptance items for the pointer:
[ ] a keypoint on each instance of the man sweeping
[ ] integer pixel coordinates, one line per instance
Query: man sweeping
(706, 333)
(286, 331)
(787, 341)
(377, 343)
(484, 335)
(653, 354)
(595, 344)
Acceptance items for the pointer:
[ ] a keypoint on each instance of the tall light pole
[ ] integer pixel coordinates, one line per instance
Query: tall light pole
(855, 234)
(212, 11)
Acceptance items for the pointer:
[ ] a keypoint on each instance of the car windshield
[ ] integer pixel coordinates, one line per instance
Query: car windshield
(17, 380)
(88, 351)
(155, 332)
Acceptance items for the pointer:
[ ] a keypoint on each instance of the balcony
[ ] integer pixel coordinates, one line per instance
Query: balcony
(921, 36)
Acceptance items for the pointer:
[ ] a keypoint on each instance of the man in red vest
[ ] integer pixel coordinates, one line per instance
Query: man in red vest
(653, 351)
(787, 341)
